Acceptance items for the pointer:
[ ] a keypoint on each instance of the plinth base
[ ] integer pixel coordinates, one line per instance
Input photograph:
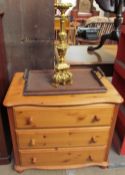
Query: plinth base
(20, 169)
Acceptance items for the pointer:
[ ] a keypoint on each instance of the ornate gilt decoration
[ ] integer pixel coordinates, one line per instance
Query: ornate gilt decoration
(62, 75)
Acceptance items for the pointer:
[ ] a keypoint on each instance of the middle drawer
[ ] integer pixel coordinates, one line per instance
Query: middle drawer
(63, 137)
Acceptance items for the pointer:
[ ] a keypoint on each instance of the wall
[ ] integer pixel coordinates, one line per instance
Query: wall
(28, 34)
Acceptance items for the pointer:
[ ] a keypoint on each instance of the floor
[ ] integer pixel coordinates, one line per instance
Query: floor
(116, 167)
(7, 170)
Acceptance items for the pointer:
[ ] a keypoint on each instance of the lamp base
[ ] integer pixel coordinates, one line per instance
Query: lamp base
(62, 77)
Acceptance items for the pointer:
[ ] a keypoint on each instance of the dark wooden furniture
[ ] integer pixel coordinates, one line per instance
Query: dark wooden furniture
(117, 7)
(83, 10)
(5, 140)
(61, 131)
(119, 83)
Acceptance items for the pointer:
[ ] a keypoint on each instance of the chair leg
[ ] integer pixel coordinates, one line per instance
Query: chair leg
(102, 41)
(111, 36)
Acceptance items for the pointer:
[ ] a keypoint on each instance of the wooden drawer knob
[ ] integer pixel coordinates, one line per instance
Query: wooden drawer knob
(95, 119)
(33, 160)
(92, 140)
(33, 142)
(90, 159)
(29, 121)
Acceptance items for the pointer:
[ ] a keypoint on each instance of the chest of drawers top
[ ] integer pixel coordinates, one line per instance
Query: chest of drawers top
(14, 96)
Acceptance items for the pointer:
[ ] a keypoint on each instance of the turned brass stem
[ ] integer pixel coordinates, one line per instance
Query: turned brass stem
(62, 75)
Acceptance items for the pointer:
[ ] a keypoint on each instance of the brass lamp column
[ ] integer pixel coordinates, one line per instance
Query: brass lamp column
(62, 75)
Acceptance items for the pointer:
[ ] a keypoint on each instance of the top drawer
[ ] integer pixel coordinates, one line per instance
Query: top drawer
(51, 117)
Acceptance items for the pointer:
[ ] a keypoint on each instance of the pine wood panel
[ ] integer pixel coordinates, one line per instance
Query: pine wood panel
(68, 137)
(63, 125)
(62, 156)
(38, 117)
(14, 96)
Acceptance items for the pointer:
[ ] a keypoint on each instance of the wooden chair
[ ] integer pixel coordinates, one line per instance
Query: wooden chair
(113, 6)
(104, 24)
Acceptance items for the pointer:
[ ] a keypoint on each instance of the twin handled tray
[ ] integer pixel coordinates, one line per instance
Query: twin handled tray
(86, 80)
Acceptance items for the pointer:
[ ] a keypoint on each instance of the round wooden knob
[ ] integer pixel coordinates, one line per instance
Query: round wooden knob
(95, 119)
(33, 142)
(34, 160)
(29, 121)
(90, 158)
(92, 140)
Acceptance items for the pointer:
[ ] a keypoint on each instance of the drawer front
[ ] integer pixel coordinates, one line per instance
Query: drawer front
(38, 117)
(62, 157)
(49, 138)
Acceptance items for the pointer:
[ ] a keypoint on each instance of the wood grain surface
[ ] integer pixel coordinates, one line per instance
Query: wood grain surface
(62, 156)
(47, 117)
(62, 137)
(15, 97)
(64, 131)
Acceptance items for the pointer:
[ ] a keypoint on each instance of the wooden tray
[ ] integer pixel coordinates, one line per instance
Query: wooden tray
(39, 82)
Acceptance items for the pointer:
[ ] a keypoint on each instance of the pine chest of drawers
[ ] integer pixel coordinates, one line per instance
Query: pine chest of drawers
(56, 132)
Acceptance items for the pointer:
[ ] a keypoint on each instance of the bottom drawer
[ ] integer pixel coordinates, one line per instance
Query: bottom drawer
(62, 156)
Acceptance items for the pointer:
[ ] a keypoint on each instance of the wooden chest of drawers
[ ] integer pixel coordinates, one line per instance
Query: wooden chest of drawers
(55, 132)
